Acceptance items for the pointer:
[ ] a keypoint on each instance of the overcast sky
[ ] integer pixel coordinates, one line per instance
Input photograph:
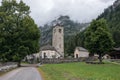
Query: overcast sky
(44, 11)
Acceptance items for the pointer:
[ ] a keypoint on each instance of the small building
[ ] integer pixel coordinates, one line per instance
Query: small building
(49, 51)
(106, 56)
(115, 53)
(81, 52)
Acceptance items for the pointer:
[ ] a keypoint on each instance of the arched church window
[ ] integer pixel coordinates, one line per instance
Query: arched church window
(60, 30)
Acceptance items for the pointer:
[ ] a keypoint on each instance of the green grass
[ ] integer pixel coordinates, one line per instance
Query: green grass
(24, 63)
(80, 71)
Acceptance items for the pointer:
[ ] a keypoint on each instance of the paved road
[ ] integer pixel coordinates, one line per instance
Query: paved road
(24, 73)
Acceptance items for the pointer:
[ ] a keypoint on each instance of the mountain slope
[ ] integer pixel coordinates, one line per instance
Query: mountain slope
(70, 28)
(112, 15)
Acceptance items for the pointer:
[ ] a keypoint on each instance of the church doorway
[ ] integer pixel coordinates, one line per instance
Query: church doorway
(76, 55)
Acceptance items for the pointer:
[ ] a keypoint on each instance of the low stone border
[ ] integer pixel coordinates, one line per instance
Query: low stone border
(7, 68)
(91, 62)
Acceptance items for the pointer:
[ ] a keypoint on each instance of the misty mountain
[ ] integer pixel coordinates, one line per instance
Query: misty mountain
(112, 15)
(71, 28)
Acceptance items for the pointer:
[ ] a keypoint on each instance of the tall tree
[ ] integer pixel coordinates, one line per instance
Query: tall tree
(112, 16)
(19, 35)
(98, 38)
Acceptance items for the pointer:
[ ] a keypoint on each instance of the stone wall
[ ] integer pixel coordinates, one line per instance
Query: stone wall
(67, 60)
(7, 66)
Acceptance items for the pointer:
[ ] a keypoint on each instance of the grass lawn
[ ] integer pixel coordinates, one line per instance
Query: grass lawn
(80, 71)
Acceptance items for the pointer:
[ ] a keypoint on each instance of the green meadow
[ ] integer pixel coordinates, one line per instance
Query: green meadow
(80, 71)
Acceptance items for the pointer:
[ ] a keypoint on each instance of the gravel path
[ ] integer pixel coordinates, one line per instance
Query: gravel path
(25, 73)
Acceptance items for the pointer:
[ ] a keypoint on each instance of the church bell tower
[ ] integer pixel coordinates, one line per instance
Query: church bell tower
(58, 39)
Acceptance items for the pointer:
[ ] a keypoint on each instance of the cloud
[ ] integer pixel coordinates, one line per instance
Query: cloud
(105, 1)
(43, 11)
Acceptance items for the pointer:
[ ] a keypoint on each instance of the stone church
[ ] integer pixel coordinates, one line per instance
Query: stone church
(56, 50)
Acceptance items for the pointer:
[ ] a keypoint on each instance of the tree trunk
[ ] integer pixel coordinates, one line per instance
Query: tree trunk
(19, 64)
(100, 58)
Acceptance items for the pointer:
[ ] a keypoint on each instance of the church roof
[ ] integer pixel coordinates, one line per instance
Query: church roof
(48, 47)
(117, 49)
(58, 24)
(81, 49)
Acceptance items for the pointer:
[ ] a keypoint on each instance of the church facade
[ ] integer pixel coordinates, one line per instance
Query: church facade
(56, 50)
(49, 51)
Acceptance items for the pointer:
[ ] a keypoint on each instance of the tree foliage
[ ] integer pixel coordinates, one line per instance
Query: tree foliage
(19, 35)
(112, 16)
(98, 38)
(73, 42)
